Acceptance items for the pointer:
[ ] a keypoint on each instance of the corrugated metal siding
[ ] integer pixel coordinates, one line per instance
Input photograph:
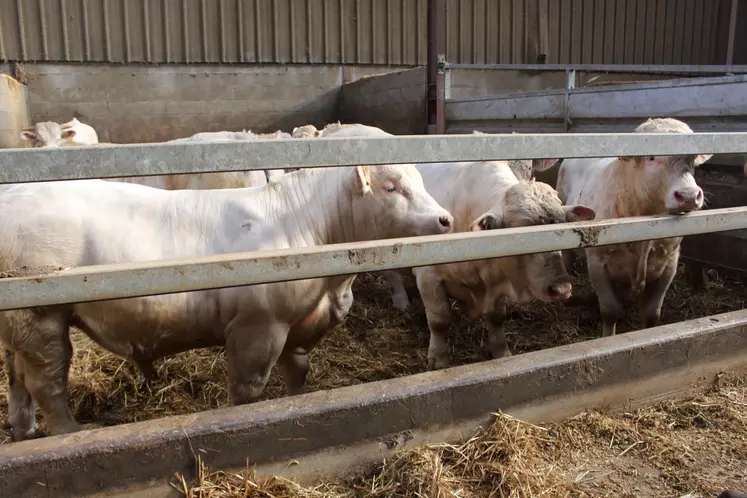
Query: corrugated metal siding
(391, 32)
(585, 31)
(270, 31)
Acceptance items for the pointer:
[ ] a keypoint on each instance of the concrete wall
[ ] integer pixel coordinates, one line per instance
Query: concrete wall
(394, 102)
(13, 112)
(141, 103)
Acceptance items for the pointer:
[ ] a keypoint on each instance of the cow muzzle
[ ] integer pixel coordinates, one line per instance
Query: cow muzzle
(686, 200)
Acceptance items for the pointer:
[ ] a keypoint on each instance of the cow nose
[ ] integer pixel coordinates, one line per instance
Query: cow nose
(560, 291)
(445, 222)
(688, 199)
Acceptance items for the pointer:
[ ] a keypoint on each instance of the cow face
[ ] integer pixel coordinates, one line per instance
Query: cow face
(47, 134)
(667, 183)
(542, 276)
(391, 201)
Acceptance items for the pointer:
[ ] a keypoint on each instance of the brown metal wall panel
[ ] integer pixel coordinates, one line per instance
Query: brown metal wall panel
(391, 32)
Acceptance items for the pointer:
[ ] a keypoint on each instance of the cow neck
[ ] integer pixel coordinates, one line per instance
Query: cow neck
(315, 205)
(630, 193)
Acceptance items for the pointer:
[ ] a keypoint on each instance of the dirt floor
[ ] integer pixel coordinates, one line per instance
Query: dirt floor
(696, 447)
(376, 342)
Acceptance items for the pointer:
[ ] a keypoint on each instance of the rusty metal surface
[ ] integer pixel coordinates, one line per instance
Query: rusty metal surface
(94, 283)
(110, 161)
(391, 32)
(283, 429)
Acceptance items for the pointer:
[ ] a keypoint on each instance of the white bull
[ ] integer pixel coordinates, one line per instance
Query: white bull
(627, 186)
(91, 222)
(484, 196)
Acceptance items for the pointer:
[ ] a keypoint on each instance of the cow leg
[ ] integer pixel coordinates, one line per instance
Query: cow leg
(42, 354)
(652, 297)
(396, 283)
(696, 276)
(252, 350)
(438, 313)
(295, 365)
(610, 305)
(21, 405)
(497, 344)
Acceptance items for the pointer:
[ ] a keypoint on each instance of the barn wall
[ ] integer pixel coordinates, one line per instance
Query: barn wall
(381, 32)
(393, 102)
(138, 103)
(14, 115)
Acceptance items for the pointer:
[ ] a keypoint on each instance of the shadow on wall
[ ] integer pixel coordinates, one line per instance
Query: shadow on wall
(141, 104)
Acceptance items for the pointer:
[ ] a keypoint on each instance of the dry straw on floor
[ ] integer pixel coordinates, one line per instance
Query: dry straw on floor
(696, 447)
(376, 342)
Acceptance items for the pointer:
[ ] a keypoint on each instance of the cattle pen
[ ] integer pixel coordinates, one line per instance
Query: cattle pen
(319, 433)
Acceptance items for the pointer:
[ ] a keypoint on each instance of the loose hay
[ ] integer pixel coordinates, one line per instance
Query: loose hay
(376, 342)
(696, 446)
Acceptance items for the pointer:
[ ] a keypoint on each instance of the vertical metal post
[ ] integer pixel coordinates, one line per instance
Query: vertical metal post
(732, 33)
(435, 106)
(570, 84)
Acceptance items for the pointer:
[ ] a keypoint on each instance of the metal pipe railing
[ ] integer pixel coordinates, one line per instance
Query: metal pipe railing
(112, 161)
(94, 283)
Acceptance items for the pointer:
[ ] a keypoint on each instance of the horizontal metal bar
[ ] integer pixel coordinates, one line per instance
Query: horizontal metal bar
(608, 68)
(112, 161)
(103, 282)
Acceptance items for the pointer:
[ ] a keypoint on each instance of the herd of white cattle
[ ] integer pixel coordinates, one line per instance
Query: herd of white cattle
(91, 222)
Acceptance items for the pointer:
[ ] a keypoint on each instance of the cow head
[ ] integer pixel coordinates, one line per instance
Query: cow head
(391, 201)
(47, 134)
(305, 131)
(542, 276)
(666, 183)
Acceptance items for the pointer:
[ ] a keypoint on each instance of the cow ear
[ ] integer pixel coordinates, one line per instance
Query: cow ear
(68, 134)
(486, 221)
(543, 164)
(363, 179)
(702, 158)
(28, 135)
(579, 213)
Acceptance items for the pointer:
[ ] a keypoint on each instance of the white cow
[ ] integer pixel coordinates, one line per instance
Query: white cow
(91, 222)
(488, 196)
(634, 186)
(484, 196)
(83, 134)
(209, 181)
(305, 131)
(47, 134)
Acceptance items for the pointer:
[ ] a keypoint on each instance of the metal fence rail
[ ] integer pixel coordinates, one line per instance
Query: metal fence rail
(609, 68)
(161, 277)
(95, 283)
(161, 159)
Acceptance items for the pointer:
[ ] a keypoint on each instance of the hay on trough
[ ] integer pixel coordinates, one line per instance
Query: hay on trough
(696, 447)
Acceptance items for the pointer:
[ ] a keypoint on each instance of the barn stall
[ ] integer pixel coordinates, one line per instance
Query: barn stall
(371, 416)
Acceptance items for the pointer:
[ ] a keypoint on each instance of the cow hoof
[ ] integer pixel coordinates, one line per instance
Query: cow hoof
(437, 364)
(22, 434)
(401, 303)
(501, 354)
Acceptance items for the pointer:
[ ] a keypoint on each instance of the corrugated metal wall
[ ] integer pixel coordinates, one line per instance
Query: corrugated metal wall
(391, 32)
(587, 31)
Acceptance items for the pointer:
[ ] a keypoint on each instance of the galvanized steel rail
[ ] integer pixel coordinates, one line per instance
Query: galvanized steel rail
(33, 165)
(609, 68)
(94, 283)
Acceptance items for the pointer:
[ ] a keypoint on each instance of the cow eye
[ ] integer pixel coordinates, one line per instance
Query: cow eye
(652, 158)
(391, 188)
